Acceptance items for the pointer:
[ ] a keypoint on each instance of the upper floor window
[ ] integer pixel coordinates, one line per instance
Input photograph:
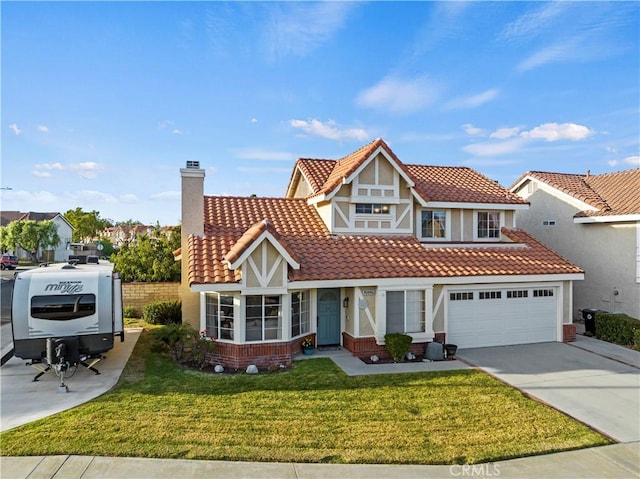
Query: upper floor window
(433, 224)
(372, 209)
(488, 225)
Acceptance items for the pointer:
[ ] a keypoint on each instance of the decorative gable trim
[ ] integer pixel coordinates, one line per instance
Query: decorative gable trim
(252, 239)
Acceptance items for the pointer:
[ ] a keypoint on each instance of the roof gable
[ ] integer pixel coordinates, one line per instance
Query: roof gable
(252, 238)
(609, 194)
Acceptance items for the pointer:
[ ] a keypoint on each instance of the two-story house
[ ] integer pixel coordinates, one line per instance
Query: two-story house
(65, 229)
(365, 246)
(594, 221)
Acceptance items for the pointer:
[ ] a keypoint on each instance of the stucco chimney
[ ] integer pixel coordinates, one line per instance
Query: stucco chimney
(192, 215)
(192, 199)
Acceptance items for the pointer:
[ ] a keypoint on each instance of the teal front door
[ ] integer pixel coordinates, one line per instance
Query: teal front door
(328, 317)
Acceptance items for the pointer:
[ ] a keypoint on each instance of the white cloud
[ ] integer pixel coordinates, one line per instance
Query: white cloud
(254, 120)
(49, 166)
(41, 174)
(399, 96)
(471, 130)
(258, 154)
(612, 162)
(632, 160)
(329, 130)
(14, 128)
(164, 124)
(556, 132)
(473, 101)
(504, 133)
(491, 148)
(565, 50)
(168, 196)
(299, 28)
(91, 197)
(530, 24)
(87, 169)
(129, 198)
(176, 131)
(43, 128)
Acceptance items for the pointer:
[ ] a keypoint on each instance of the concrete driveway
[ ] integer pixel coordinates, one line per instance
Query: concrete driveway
(599, 391)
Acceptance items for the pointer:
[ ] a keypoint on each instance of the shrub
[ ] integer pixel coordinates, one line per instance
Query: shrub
(173, 336)
(617, 328)
(398, 345)
(131, 312)
(636, 339)
(163, 312)
(185, 344)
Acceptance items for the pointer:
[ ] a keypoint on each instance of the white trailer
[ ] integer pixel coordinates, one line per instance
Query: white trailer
(66, 313)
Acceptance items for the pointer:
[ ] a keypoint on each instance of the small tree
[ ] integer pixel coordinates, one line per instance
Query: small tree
(149, 259)
(86, 225)
(32, 236)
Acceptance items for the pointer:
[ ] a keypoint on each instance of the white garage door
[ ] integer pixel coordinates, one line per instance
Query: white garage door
(502, 316)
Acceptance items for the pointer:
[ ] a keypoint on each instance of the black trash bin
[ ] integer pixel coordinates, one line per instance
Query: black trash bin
(589, 316)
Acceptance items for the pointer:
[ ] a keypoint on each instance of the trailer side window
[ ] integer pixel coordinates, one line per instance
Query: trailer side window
(63, 307)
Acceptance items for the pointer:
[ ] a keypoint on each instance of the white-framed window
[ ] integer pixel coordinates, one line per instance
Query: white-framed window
(517, 293)
(542, 293)
(490, 294)
(433, 224)
(219, 316)
(300, 313)
(405, 312)
(263, 318)
(461, 296)
(372, 209)
(488, 224)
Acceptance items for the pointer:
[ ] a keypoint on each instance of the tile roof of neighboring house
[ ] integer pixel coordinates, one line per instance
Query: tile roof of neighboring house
(325, 257)
(455, 184)
(611, 193)
(7, 217)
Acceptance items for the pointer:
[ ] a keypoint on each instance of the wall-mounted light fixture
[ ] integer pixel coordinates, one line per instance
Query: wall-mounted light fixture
(345, 302)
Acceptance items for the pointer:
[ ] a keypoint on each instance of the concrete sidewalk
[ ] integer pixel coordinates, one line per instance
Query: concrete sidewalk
(619, 461)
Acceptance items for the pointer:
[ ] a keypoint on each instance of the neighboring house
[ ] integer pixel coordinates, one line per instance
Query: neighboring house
(593, 221)
(126, 234)
(65, 230)
(365, 246)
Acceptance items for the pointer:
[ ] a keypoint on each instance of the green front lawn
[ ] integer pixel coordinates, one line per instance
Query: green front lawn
(312, 413)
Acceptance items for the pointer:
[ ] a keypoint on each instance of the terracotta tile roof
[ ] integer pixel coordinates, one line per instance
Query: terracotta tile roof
(315, 171)
(611, 193)
(432, 183)
(251, 235)
(347, 165)
(458, 184)
(326, 257)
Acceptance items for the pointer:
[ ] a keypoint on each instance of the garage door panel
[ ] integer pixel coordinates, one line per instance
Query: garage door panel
(507, 320)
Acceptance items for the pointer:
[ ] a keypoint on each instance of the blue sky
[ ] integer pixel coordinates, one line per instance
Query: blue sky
(103, 103)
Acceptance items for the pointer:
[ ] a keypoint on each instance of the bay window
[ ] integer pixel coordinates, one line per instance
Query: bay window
(219, 316)
(263, 318)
